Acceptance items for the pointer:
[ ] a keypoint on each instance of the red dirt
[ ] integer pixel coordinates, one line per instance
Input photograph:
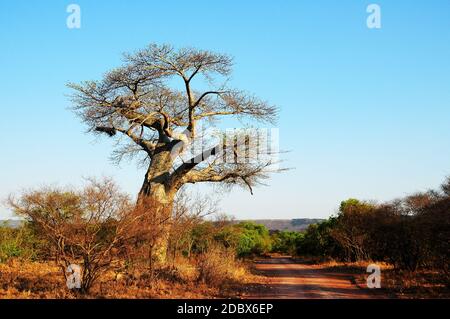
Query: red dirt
(288, 279)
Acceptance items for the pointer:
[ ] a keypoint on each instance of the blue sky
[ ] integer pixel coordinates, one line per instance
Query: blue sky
(365, 113)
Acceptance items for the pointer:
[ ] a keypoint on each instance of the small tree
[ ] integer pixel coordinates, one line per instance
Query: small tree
(318, 240)
(254, 239)
(188, 213)
(351, 230)
(84, 227)
(285, 241)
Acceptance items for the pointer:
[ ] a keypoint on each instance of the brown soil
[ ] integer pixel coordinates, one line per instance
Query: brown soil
(289, 279)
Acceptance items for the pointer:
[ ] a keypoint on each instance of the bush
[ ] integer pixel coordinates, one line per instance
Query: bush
(285, 241)
(254, 239)
(318, 240)
(409, 233)
(412, 237)
(83, 227)
(217, 266)
(17, 243)
(245, 239)
(202, 236)
(352, 229)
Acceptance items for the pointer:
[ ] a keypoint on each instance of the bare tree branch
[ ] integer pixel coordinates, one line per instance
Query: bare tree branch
(141, 100)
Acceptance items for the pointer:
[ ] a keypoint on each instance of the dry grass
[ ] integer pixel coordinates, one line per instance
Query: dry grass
(220, 266)
(223, 277)
(418, 284)
(398, 283)
(33, 280)
(26, 280)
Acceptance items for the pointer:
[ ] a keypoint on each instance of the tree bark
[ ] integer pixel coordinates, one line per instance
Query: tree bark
(157, 198)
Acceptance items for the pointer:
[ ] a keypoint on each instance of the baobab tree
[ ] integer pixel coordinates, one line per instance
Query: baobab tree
(152, 101)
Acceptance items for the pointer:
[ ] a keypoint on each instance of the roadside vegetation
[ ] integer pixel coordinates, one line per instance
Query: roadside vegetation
(113, 242)
(409, 237)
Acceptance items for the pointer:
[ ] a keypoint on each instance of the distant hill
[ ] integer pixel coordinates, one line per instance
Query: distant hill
(297, 224)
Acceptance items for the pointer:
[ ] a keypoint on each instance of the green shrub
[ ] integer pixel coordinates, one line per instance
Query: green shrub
(285, 241)
(17, 243)
(318, 240)
(202, 237)
(244, 239)
(254, 239)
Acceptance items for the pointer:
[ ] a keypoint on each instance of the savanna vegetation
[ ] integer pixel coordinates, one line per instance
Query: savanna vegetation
(99, 242)
(409, 236)
(98, 234)
(158, 105)
(111, 240)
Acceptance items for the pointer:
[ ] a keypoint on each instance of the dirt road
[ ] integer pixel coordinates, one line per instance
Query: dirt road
(292, 280)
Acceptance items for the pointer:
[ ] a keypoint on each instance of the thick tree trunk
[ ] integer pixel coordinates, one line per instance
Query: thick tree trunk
(158, 199)
(157, 194)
